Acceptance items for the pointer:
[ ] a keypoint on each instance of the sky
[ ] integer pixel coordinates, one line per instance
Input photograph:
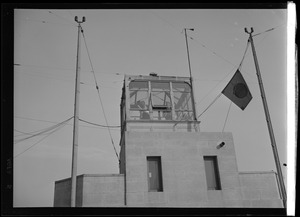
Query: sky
(137, 42)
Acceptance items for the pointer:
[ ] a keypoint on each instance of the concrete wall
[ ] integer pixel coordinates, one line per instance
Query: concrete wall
(260, 189)
(183, 174)
(105, 190)
(62, 192)
(184, 180)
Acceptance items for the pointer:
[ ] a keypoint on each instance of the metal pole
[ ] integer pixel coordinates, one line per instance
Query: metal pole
(268, 118)
(190, 70)
(76, 120)
(187, 47)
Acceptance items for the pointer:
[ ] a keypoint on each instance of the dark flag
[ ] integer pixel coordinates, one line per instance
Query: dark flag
(237, 91)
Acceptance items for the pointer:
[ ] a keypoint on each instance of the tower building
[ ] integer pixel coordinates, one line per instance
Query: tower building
(165, 159)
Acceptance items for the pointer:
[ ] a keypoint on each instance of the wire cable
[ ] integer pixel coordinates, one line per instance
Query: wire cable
(268, 30)
(47, 67)
(62, 18)
(40, 133)
(239, 67)
(217, 85)
(43, 131)
(34, 135)
(45, 77)
(210, 50)
(99, 124)
(63, 69)
(22, 133)
(44, 22)
(226, 116)
(210, 105)
(99, 96)
(167, 22)
(58, 79)
(40, 140)
(30, 119)
(203, 45)
(34, 119)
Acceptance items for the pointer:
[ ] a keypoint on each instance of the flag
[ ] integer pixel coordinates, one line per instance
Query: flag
(237, 91)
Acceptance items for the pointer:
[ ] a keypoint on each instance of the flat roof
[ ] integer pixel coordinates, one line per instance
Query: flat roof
(157, 77)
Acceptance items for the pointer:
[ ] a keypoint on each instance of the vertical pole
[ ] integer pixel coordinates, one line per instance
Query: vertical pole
(268, 118)
(188, 53)
(76, 120)
(190, 70)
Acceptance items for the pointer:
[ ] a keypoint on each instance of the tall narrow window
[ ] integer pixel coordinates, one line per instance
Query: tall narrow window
(154, 174)
(212, 173)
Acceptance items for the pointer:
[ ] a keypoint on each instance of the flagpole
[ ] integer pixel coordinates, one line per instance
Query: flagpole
(76, 120)
(268, 118)
(190, 70)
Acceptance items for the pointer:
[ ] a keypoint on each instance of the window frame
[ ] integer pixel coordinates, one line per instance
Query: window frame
(161, 112)
(217, 178)
(190, 111)
(141, 111)
(159, 173)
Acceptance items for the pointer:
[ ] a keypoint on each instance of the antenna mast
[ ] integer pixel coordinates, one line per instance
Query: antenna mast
(268, 118)
(190, 70)
(76, 119)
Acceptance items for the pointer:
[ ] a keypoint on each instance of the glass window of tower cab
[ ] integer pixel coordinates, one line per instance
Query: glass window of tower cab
(157, 98)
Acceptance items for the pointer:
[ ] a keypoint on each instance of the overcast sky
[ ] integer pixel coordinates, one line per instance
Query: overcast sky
(137, 42)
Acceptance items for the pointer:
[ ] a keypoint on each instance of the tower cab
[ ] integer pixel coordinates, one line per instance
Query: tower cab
(158, 103)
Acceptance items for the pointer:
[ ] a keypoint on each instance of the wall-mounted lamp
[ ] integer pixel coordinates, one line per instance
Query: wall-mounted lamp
(220, 145)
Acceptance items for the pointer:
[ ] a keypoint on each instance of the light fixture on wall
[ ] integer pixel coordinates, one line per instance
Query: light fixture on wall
(220, 145)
